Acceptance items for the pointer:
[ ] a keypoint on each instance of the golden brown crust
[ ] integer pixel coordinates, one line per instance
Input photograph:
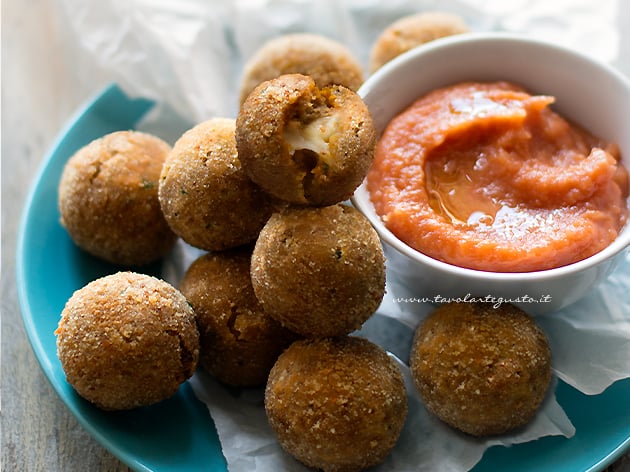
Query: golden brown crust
(303, 144)
(338, 405)
(127, 340)
(482, 370)
(206, 197)
(327, 61)
(319, 271)
(239, 342)
(108, 198)
(411, 31)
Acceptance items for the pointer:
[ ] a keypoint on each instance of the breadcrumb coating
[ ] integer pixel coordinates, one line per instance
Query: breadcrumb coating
(319, 271)
(239, 342)
(326, 60)
(108, 198)
(411, 31)
(336, 404)
(127, 340)
(204, 193)
(303, 144)
(482, 370)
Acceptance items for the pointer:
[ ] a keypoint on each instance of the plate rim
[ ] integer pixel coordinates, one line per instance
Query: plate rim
(27, 315)
(20, 274)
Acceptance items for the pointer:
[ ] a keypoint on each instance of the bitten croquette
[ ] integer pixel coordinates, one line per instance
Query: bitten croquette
(304, 144)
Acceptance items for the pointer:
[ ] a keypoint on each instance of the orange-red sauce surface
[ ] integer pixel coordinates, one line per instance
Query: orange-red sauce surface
(487, 176)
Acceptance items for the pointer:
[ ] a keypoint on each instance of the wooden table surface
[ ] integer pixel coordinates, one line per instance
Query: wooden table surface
(41, 87)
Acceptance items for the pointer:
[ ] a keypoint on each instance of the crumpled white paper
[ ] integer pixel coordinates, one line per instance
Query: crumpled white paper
(187, 55)
(589, 340)
(424, 444)
(590, 343)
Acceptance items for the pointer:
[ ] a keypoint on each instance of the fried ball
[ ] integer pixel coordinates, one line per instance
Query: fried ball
(319, 271)
(411, 31)
(303, 144)
(336, 404)
(482, 370)
(206, 197)
(327, 61)
(239, 342)
(127, 340)
(108, 198)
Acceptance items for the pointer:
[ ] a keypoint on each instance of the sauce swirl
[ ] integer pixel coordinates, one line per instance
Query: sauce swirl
(489, 177)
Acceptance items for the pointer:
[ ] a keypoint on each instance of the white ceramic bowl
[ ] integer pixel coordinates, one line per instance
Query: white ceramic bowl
(587, 92)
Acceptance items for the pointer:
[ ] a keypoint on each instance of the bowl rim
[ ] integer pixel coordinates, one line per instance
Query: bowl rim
(615, 248)
(487, 37)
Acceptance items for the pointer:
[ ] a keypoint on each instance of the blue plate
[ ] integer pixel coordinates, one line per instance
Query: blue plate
(178, 434)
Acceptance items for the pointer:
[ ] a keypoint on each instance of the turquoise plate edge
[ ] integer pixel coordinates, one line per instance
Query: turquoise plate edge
(179, 434)
(175, 435)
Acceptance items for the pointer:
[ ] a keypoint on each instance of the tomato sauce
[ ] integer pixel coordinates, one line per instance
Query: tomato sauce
(489, 177)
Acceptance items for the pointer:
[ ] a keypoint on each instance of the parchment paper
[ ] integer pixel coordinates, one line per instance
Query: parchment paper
(187, 55)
